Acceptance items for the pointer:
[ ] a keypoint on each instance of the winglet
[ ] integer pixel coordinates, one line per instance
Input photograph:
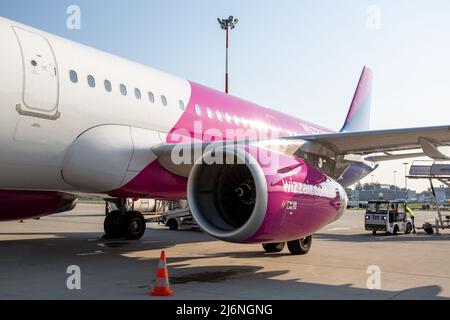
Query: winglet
(358, 118)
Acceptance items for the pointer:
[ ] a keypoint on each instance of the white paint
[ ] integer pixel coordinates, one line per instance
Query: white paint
(34, 150)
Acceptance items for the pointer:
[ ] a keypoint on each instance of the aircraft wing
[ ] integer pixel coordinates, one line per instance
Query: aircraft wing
(337, 144)
(384, 141)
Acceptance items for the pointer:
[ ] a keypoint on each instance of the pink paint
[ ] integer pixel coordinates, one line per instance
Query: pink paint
(217, 101)
(154, 182)
(362, 93)
(313, 211)
(16, 205)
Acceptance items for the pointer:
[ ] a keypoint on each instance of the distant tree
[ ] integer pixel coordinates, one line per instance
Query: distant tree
(349, 192)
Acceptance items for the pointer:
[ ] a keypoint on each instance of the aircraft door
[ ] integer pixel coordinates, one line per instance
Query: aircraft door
(40, 95)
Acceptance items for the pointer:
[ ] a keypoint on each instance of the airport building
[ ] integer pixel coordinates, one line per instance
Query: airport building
(382, 193)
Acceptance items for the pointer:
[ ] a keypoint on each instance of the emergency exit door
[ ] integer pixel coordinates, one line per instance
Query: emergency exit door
(40, 76)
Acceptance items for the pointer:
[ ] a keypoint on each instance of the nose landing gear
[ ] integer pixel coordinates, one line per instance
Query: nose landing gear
(121, 223)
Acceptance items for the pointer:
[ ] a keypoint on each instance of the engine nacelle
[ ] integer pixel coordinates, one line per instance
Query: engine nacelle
(236, 195)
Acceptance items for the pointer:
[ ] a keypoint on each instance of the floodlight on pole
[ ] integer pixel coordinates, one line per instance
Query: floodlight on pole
(227, 25)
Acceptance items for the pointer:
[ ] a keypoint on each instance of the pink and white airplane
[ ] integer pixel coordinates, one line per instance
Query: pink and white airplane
(75, 120)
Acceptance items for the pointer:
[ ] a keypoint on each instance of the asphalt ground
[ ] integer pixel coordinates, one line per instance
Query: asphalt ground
(345, 262)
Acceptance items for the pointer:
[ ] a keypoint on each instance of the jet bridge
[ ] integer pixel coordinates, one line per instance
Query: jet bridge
(433, 170)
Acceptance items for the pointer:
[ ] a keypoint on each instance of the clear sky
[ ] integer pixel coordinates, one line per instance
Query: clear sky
(301, 57)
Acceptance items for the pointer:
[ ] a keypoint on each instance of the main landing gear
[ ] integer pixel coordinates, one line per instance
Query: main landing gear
(123, 223)
(296, 247)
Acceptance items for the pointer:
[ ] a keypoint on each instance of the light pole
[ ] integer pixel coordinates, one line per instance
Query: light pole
(227, 24)
(373, 189)
(406, 178)
(395, 184)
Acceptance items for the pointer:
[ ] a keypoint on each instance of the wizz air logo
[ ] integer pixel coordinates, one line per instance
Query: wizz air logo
(291, 186)
(324, 190)
(312, 130)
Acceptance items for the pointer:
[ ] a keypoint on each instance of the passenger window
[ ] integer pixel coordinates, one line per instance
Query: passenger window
(228, 118)
(91, 81)
(164, 101)
(237, 121)
(73, 76)
(123, 89)
(219, 116)
(137, 93)
(108, 86)
(151, 97)
(198, 110)
(210, 113)
(182, 106)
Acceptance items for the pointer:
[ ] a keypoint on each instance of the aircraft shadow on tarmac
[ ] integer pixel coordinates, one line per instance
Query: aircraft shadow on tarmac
(36, 269)
(369, 237)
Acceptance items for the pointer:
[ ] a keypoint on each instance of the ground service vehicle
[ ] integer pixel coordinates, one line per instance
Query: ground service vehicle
(388, 216)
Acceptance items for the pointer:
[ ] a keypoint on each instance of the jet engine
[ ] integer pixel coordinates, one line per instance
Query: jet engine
(246, 194)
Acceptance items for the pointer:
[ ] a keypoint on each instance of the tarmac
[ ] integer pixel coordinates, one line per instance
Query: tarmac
(345, 262)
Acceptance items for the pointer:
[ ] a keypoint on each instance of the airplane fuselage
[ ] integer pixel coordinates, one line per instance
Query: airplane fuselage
(39, 124)
(78, 120)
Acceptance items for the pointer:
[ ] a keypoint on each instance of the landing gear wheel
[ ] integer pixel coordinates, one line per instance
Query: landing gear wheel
(374, 232)
(112, 225)
(409, 228)
(429, 231)
(173, 224)
(395, 233)
(274, 247)
(301, 246)
(132, 225)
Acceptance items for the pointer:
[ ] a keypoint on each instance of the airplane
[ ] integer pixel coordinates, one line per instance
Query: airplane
(76, 120)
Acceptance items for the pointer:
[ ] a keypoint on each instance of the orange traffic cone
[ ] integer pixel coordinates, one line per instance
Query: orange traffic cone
(162, 287)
